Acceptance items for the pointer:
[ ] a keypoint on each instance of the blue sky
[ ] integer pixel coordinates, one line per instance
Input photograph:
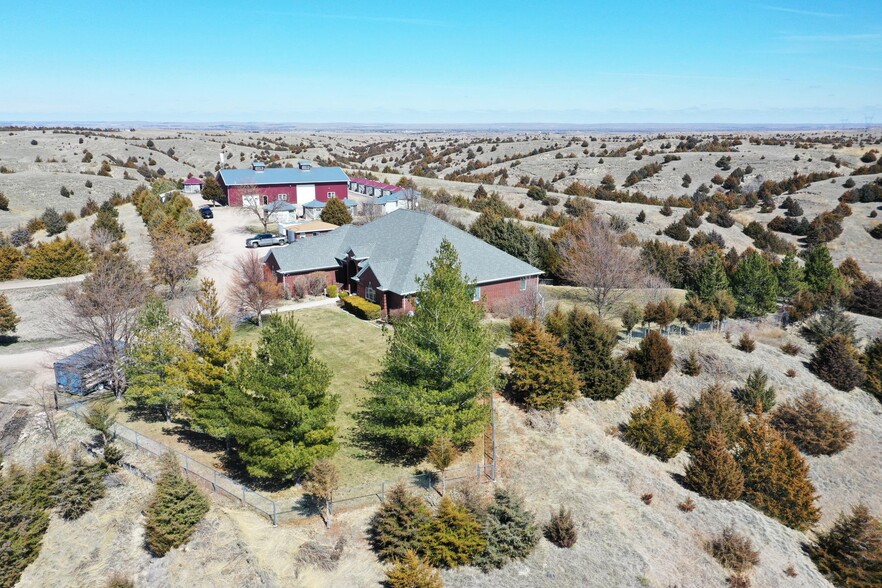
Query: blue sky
(557, 61)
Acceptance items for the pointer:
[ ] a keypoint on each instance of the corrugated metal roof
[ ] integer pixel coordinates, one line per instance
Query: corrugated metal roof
(282, 175)
(191, 181)
(311, 226)
(398, 248)
(319, 204)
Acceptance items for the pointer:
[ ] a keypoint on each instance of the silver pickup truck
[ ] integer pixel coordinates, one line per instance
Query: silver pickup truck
(264, 239)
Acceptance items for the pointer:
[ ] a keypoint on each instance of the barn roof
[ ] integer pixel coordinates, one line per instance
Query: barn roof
(282, 175)
(398, 248)
(319, 204)
(192, 181)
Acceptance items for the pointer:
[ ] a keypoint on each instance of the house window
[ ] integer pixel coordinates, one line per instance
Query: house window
(523, 284)
(370, 294)
(477, 295)
(282, 197)
(332, 194)
(265, 199)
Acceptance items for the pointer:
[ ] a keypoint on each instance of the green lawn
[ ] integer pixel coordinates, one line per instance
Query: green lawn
(353, 349)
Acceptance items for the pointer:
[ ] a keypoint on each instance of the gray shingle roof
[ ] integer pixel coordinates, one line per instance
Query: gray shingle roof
(282, 175)
(398, 248)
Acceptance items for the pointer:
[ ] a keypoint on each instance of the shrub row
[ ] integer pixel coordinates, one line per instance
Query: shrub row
(361, 308)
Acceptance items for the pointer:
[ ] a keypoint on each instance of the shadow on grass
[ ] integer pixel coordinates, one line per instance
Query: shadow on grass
(380, 448)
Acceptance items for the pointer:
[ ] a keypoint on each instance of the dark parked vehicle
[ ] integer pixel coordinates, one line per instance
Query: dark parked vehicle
(206, 211)
(264, 239)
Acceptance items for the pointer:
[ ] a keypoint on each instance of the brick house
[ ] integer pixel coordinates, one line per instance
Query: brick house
(261, 185)
(381, 260)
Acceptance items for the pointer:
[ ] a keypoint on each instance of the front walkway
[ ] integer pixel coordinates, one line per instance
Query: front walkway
(301, 305)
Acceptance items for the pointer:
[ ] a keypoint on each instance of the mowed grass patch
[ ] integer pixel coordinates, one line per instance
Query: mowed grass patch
(353, 350)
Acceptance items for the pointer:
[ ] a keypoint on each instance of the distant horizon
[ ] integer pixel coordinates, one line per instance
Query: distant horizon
(502, 126)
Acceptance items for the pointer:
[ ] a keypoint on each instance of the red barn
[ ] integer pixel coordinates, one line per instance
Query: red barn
(261, 185)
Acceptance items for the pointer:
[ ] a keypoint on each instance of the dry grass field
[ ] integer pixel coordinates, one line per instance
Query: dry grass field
(575, 459)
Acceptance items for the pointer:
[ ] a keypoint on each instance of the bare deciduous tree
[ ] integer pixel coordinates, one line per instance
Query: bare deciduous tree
(173, 260)
(103, 308)
(594, 260)
(46, 397)
(263, 212)
(251, 290)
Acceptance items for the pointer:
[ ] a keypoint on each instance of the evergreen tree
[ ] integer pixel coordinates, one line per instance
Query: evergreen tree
(106, 222)
(11, 262)
(53, 222)
(55, 259)
(80, 487)
(790, 276)
(872, 363)
(652, 358)
(866, 298)
(814, 428)
(542, 375)
(23, 522)
(821, 275)
(155, 361)
(837, 362)
(776, 475)
(631, 317)
(712, 471)
(438, 368)
(754, 285)
(850, 553)
(756, 395)
(453, 537)
(207, 365)
(281, 414)
(336, 213)
(398, 526)
(561, 529)
(413, 571)
(46, 479)
(713, 410)
(509, 529)
(658, 429)
(8, 319)
(591, 342)
(507, 235)
(175, 509)
(831, 321)
(211, 190)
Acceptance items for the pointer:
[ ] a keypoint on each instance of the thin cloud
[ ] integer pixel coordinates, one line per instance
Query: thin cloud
(802, 12)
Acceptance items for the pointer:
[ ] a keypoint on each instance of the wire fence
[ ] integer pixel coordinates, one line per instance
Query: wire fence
(430, 485)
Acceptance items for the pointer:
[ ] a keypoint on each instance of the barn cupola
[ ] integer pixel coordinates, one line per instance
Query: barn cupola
(305, 165)
(258, 166)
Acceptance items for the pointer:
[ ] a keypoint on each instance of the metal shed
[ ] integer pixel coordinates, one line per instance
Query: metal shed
(83, 372)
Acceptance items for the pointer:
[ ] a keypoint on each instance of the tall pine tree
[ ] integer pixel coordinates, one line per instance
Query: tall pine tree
(591, 342)
(710, 276)
(8, 319)
(438, 369)
(754, 285)
(175, 509)
(712, 471)
(155, 361)
(541, 373)
(821, 275)
(281, 414)
(207, 364)
(790, 276)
